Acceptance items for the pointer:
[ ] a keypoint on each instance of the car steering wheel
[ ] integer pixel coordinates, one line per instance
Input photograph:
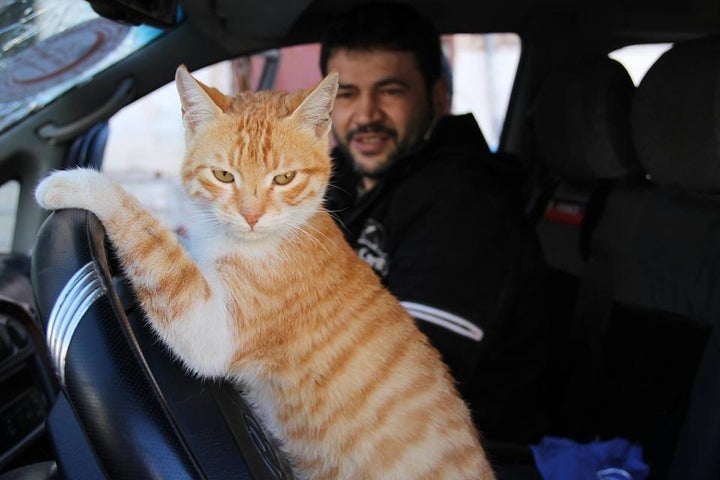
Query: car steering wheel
(135, 410)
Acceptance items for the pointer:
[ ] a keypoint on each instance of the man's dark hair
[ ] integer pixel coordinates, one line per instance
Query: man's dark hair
(386, 26)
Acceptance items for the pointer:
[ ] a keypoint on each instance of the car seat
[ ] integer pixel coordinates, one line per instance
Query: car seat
(581, 118)
(648, 307)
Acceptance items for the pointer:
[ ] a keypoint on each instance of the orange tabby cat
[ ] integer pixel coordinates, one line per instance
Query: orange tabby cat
(270, 295)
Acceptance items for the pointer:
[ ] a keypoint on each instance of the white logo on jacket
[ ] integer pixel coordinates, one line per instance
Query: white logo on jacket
(371, 247)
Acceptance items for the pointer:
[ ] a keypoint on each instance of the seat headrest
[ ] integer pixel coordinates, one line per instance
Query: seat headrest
(676, 117)
(582, 121)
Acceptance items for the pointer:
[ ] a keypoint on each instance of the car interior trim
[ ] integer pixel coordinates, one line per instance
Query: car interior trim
(444, 319)
(122, 96)
(76, 297)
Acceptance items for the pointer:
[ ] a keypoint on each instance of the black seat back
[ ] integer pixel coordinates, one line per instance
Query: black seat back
(581, 120)
(584, 145)
(648, 308)
(139, 412)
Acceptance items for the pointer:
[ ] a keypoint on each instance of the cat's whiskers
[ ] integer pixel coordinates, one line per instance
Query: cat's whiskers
(320, 233)
(300, 228)
(203, 214)
(335, 217)
(333, 213)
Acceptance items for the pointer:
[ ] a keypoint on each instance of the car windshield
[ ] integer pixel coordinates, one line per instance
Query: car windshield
(49, 46)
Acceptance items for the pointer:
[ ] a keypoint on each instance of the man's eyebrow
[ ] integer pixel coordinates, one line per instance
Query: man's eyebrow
(391, 81)
(380, 83)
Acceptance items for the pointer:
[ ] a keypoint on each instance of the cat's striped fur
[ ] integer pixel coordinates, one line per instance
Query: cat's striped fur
(269, 294)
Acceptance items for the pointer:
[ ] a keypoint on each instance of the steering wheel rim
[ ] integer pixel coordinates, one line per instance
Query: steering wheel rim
(142, 413)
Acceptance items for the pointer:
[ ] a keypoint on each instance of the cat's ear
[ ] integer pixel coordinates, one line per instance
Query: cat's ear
(314, 111)
(200, 103)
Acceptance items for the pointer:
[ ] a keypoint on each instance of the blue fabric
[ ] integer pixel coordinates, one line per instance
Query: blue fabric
(564, 459)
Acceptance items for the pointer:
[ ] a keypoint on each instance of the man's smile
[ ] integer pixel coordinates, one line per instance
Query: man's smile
(371, 140)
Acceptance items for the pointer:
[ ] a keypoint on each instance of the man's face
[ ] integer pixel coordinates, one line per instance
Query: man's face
(382, 106)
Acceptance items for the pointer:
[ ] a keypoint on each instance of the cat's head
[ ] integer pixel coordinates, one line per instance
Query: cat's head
(258, 163)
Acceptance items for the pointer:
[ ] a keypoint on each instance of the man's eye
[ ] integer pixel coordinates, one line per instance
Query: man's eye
(344, 94)
(392, 91)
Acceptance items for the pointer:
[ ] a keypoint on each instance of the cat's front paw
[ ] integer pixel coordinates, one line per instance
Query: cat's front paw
(80, 188)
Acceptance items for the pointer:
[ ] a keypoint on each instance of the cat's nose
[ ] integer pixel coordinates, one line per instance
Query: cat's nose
(251, 218)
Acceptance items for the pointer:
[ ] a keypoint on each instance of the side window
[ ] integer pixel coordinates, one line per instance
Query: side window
(47, 48)
(145, 146)
(9, 193)
(637, 59)
(484, 68)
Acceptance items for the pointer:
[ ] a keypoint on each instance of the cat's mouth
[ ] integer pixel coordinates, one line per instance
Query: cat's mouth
(251, 235)
(246, 233)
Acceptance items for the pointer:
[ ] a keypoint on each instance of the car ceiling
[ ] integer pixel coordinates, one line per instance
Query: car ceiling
(241, 26)
(298, 21)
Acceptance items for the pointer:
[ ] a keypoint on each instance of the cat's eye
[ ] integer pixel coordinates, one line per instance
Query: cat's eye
(224, 176)
(283, 178)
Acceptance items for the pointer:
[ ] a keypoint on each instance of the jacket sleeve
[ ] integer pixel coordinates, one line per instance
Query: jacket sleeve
(453, 246)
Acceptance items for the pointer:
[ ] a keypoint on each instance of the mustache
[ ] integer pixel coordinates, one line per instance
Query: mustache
(371, 128)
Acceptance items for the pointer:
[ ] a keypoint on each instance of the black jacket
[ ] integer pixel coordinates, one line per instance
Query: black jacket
(445, 230)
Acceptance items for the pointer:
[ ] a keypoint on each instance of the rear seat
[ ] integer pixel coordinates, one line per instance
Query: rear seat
(582, 123)
(646, 337)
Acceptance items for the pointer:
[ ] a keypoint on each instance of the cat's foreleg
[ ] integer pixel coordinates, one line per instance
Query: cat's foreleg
(176, 296)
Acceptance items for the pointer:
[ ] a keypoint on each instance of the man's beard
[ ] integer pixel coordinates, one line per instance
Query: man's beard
(379, 170)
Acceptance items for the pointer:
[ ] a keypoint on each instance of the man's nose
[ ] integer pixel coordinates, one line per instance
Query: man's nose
(367, 110)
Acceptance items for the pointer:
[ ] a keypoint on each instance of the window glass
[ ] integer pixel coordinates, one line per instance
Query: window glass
(9, 194)
(484, 68)
(146, 146)
(49, 46)
(638, 59)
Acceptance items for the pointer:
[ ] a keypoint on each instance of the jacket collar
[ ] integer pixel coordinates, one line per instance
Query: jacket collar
(459, 132)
